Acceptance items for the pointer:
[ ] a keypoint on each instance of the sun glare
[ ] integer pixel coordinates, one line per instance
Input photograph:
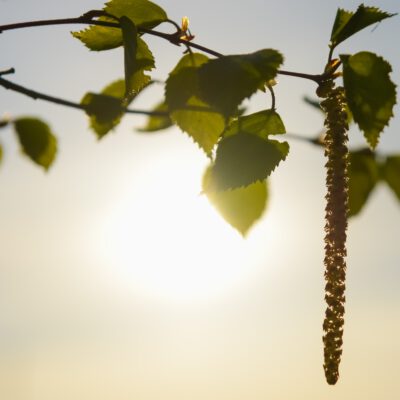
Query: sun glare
(165, 240)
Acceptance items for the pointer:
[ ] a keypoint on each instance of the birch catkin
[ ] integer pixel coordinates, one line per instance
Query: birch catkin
(335, 226)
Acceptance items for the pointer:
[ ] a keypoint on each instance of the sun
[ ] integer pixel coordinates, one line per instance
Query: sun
(163, 239)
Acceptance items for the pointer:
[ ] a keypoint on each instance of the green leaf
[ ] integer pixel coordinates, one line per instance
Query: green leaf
(99, 38)
(144, 62)
(180, 87)
(106, 109)
(194, 60)
(204, 127)
(182, 82)
(143, 13)
(348, 23)
(363, 176)
(36, 140)
(370, 93)
(341, 20)
(262, 123)
(242, 207)
(157, 122)
(226, 81)
(243, 159)
(194, 116)
(129, 36)
(105, 112)
(1, 153)
(391, 174)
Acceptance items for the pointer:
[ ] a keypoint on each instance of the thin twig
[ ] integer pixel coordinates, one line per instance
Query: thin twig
(315, 78)
(173, 38)
(7, 71)
(273, 103)
(294, 136)
(56, 100)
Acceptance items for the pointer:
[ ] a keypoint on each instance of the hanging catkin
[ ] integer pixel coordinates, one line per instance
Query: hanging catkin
(336, 224)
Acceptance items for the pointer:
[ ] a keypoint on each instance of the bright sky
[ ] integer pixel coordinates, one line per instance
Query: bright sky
(119, 281)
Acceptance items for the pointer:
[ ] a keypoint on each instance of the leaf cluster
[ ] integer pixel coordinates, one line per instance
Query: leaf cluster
(203, 97)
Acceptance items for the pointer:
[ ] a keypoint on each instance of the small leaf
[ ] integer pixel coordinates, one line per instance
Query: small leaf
(348, 23)
(363, 175)
(243, 159)
(1, 153)
(194, 116)
(226, 81)
(36, 140)
(341, 20)
(157, 122)
(370, 93)
(129, 36)
(143, 13)
(242, 207)
(100, 38)
(391, 174)
(262, 123)
(106, 109)
(144, 61)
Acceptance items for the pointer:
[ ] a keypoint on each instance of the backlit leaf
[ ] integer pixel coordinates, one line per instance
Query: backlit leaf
(157, 122)
(194, 60)
(204, 127)
(348, 23)
(391, 174)
(194, 116)
(143, 13)
(242, 207)
(99, 38)
(370, 93)
(363, 176)
(180, 87)
(144, 62)
(182, 83)
(226, 81)
(36, 140)
(243, 159)
(262, 123)
(106, 109)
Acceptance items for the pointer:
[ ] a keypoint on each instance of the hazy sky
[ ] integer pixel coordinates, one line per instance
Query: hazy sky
(117, 279)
